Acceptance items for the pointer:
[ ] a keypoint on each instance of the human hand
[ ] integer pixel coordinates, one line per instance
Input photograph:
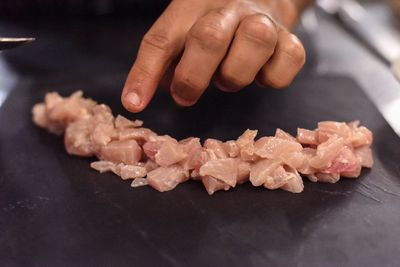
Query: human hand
(232, 42)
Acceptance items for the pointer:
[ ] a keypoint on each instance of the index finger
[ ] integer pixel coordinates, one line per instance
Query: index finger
(160, 45)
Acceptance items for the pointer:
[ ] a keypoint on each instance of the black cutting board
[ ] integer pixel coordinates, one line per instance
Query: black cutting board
(56, 211)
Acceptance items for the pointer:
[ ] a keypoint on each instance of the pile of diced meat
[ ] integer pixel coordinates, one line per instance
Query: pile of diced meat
(124, 147)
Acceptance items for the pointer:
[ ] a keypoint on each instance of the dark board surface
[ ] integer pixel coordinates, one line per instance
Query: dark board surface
(56, 211)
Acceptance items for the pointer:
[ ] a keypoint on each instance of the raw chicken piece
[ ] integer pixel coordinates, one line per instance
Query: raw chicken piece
(326, 152)
(345, 163)
(122, 123)
(263, 170)
(127, 152)
(217, 147)
(295, 184)
(141, 135)
(307, 137)
(364, 156)
(167, 178)
(279, 133)
(224, 170)
(103, 166)
(170, 152)
(334, 149)
(272, 147)
(246, 138)
(231, 148)
(243, 172)
(138, 182)
(213, 185)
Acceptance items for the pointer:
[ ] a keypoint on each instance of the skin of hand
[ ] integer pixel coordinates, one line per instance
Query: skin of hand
(229, 42)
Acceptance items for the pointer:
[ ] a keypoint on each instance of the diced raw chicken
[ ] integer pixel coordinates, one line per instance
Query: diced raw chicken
(138, 182)
(243, 172)
(141, 135)
(167, 178)
(231, 148)
(345, 163)
(272, 147)
(279, 133)
(247, 153)
(295, 184)
(77, 139)
(151, 148)
(217, 147)
(213, 185)
(150, 165)
(103, 166)
(246, 138)
(263, 170)
(224, 170)
(308, 154)
(327, 152)
(327, 129)
(364, 156)
(170, 152)
(131, 171)
(121, 123)
(307, 137)
(127, 152)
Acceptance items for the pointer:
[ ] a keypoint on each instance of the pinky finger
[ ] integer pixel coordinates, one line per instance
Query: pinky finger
(288, 59)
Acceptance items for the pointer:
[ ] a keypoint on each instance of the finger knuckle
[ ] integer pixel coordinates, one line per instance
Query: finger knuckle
(234, 79)
(295, 50)
(261, 30)
(157, 41)
(208, 35)
(190, 83)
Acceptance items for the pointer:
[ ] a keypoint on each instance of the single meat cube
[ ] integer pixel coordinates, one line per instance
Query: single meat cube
(308, 154)
(278, 179)
(77, 138)
(150, 165)
(247, 153)
(327, 129)
(272, 147)
(243, 172)
(364, 156)
(307, 137)
(327, 177)
(231, 148)
(103, 166)
(294, 160)
(217, 147)
(279, 133)
(224, 170)
(327, 152)
(127, 152)
(102, 134)
(151, 148)
(263, 170)
(246, 138)
(122, 123)
(167, 178)
(346, 164)
(141, 135)
(192, 147)
(138, 182)
(294, 184)
(131, 171)
(213, 185)
(169, 153)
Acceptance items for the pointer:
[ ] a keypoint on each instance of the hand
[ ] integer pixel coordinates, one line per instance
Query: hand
(233, 42)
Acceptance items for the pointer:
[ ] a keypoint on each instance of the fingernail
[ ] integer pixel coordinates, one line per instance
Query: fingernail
(133, 98)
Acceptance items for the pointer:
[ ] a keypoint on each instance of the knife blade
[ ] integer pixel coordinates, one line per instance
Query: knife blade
(374, 76)
(8, 43)
(383, 40)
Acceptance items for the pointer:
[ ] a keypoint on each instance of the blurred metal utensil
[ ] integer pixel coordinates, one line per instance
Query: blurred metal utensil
(384, 41)
(8, 43)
